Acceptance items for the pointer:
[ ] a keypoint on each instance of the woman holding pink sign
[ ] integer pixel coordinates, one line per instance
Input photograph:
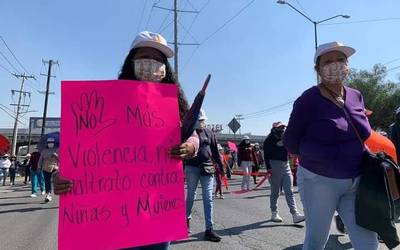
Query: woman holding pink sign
(148, 61)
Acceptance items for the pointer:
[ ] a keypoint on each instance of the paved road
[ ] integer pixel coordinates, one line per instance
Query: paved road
(242, 221)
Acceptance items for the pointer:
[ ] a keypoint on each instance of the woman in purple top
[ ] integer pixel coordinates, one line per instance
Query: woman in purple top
(329, 149)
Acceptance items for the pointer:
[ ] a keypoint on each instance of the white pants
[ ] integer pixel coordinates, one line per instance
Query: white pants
(246, 168)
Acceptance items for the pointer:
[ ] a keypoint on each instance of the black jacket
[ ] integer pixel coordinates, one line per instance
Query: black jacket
(394, 135)
(374, 206)
(274, 149)
(208, 149)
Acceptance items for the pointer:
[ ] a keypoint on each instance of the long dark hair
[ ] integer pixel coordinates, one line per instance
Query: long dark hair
(128, 73)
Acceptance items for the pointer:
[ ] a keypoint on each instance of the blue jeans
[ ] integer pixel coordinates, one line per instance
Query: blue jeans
(193, 175)
(37, 176)
(4, 175)
(47, 181)
(159, 246)
(321, 197)
(281, 177)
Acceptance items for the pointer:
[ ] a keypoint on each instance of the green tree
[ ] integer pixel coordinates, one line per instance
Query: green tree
(380, 95)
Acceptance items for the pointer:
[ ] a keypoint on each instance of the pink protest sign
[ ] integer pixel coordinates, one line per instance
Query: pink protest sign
(114, 143)
(232, 146)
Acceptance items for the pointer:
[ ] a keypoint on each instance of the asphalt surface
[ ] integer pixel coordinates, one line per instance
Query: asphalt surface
(243, 221)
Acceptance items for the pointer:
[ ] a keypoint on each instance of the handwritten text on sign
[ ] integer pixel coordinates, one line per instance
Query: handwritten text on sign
(115, 137)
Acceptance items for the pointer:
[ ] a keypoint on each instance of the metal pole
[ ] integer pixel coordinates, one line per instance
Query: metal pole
(46, 98)
(315, 36)
(15, 130)
(316, 44)
(176, 38)
(30, 134)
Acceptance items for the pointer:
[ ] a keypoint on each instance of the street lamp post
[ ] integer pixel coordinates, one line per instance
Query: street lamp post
(315, 23)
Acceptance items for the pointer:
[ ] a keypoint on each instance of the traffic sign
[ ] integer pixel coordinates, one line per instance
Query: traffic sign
(234, 125)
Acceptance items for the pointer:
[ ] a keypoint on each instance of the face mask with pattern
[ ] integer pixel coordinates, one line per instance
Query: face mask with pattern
(335, 72)
(149, 70)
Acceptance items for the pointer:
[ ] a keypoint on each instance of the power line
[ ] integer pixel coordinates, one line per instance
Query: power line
(266, 111)
(191, 4)
(392, 61)
(7, 70)
(151, 12)
(12, 53)
(228, 21)
(12, 65)
(269, 113)
(163, 22)
(217, 30)
(161, 31)
(394, 68)
(365, 21)
(195, 18)
(301, 7)
(141, 16)
(188, 32)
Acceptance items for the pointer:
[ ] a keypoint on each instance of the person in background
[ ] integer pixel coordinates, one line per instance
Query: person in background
(219, 173)
(258, 161)
(13, 169)
(394, 132)
(27, 168)
(4, 167)
(197, 169)
(228, 162)
(148, 61)
(330, 152)
(48, 163)
(276, 160)
(36, 174)
(245, 160)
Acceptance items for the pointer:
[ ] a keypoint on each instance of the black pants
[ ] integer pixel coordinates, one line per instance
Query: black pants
(27, 174)
(12, 176)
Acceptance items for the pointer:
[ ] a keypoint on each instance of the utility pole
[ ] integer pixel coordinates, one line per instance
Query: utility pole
(239, 118)
(21, 92)
(176, 40)
(50, 62)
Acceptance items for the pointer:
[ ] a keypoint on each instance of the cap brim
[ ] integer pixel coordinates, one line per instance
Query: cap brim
(348, 51)
(167, 51)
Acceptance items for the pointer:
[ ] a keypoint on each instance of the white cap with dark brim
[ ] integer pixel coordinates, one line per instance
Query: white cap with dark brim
(333, 46)
(152, 40)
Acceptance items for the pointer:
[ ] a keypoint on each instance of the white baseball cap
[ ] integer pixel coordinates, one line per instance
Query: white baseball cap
(333, 46)
(202, 115)
(152, 40)
(246, 137)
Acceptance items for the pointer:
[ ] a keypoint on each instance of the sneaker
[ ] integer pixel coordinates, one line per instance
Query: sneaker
(48, 198)
(216, 196)
(43, 193)
(297, 217)
(188, 225)
(210, 235)
(275, 217)
(221, 196)
(33, 195)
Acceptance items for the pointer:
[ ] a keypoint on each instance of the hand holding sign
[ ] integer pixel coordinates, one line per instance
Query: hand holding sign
(89, 113)
(61, 184)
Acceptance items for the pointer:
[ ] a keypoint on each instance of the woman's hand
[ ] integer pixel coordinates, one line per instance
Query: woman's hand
(61, 184)
(183, 151)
